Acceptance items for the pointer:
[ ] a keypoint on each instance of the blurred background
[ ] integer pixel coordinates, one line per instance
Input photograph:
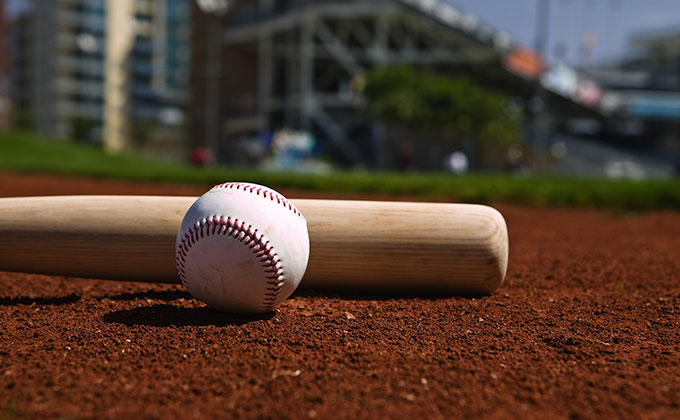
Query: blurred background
(566, 87)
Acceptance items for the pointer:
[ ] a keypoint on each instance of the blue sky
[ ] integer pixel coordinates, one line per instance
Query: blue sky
(611, 22)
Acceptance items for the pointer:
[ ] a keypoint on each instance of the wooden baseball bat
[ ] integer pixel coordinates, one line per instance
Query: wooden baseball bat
(355, 245)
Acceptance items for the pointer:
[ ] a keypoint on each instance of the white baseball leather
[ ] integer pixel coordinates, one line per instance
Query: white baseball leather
(242, 248)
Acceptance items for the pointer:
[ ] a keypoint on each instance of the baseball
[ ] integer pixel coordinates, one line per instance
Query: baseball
(242, 248)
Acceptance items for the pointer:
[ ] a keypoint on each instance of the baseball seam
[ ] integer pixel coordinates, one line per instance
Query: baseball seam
(244, 233)
(266, 193)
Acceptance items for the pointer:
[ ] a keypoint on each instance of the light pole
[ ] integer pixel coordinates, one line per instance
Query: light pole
(539, 102)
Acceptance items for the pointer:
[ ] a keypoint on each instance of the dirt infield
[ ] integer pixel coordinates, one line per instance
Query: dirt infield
(587, 325)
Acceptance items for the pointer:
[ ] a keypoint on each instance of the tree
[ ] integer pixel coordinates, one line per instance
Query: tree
(426, 101)
(81, 129)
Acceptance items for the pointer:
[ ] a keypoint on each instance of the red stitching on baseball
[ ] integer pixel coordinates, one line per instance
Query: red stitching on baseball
(263, 251)
(251, 188)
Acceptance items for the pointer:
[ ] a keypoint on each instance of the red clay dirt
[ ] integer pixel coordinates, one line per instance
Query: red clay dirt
(587, 325)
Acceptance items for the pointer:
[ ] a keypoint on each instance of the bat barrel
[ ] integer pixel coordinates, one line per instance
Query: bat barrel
(355, 245)
(426, 247)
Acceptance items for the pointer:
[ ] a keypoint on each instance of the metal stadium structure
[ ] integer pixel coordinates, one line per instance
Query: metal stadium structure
(297, 64)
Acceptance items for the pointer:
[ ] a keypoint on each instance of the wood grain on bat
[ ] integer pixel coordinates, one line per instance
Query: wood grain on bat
(357, 245)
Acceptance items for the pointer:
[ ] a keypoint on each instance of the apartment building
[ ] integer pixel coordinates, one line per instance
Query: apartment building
(98, 70)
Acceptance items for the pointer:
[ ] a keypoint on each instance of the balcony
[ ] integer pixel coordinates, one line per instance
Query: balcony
(142, 47)
(66, 41)
(144, 112)
(80, 21)
(143, 93)
(69, 108)
(88, 66)
(67, 86)
(141, 69)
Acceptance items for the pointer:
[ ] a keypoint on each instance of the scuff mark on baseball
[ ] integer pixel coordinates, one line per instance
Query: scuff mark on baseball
(242, 248)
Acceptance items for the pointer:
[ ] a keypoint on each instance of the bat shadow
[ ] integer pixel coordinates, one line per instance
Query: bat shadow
(166, 315)
(381, 295)
(42, 300)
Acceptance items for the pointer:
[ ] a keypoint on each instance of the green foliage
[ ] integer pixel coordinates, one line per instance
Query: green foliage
(81, 129)
(427, 101)
(22, 119)
(28, 153)
(142, 131)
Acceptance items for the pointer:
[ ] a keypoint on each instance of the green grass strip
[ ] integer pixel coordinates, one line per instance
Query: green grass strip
(21, 152)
